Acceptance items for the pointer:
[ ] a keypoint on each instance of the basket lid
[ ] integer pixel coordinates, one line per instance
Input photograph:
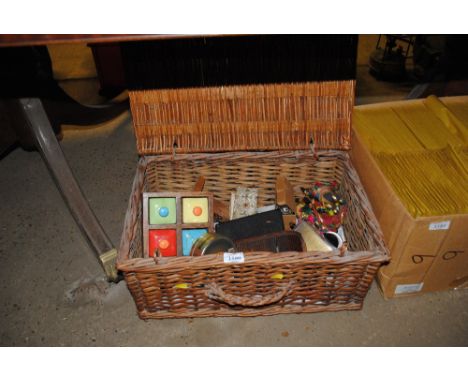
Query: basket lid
(271, 117)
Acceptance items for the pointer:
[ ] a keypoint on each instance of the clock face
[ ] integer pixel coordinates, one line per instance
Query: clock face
(195, 210)
(164, 241)
(162, 211)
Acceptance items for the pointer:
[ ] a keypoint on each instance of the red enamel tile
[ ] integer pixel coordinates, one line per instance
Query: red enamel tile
(163, 239)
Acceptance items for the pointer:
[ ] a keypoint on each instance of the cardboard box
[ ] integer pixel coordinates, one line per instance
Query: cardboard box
(427, 253)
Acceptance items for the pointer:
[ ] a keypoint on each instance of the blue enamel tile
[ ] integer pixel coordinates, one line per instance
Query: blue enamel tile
(188, 238)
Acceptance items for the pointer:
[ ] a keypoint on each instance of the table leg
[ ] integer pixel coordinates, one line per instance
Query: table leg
(46, 142)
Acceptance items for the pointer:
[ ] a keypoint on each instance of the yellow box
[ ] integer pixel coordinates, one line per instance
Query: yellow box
(427, 253)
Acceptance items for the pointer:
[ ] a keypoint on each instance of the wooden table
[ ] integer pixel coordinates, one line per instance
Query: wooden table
(33, 125)
(39, 127)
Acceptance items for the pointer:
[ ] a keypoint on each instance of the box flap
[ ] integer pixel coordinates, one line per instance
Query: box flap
(271, 117)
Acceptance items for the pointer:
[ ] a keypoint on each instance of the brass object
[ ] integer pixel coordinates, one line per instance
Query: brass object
(211, 243)
(312, 239)
(108, 260)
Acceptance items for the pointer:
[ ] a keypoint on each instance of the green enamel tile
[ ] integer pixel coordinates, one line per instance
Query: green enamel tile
(162, 211)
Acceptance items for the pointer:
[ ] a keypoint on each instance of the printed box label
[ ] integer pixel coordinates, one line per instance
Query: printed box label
(237, 257)
(408, 288)
(439, 226)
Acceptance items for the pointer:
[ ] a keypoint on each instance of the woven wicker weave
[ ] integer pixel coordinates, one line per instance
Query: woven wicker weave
(242, 118)
(308, 282)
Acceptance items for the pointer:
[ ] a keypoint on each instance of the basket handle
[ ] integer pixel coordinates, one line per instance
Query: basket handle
(215, 292)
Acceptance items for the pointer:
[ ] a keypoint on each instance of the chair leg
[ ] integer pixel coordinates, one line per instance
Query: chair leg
(46, 142)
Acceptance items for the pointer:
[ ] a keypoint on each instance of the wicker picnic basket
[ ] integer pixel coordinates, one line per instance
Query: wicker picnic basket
(247, 136)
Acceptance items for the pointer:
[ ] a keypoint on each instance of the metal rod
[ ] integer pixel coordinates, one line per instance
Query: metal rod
(47, 144)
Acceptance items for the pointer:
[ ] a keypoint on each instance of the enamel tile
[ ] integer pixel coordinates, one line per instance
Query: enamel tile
(188, 238)
(195, 210)
(163, 239)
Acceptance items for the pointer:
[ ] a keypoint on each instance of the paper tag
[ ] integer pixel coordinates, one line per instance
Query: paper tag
(237, 257)
(408, 288)
(439, 226)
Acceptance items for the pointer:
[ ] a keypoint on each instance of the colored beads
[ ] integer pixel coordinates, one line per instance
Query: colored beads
(322, 206)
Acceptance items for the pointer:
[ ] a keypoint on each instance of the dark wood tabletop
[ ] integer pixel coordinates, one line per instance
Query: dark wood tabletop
(47, 39)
